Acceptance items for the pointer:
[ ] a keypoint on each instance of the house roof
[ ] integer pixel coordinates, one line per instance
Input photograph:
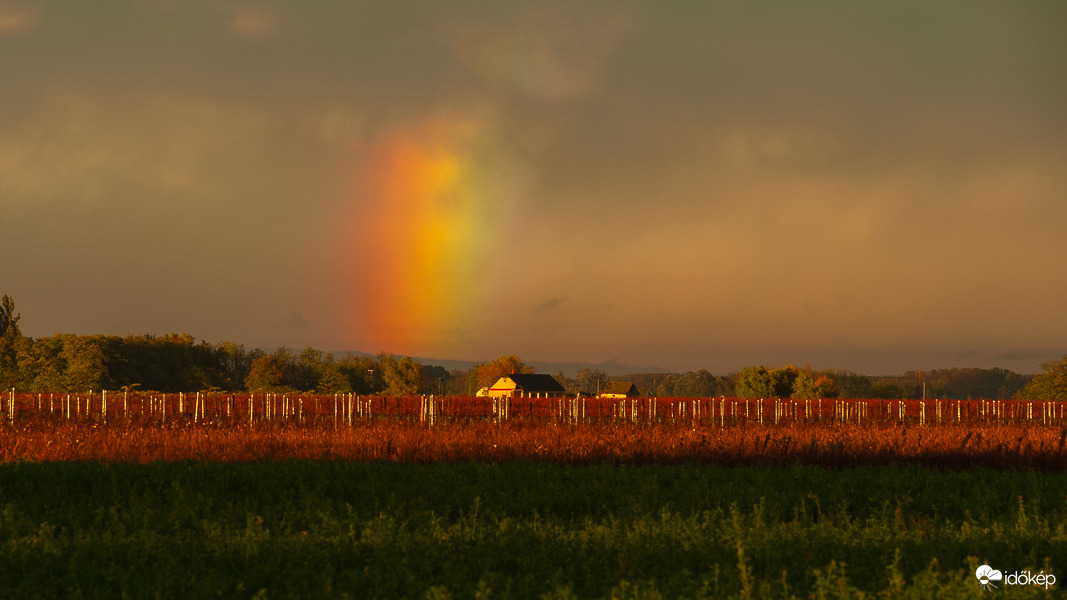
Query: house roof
(535, 382)
(619, 387)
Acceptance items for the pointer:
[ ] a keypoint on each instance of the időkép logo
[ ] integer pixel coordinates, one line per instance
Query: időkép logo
(988, 578)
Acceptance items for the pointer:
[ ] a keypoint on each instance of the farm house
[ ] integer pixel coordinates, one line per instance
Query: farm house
(620, 389)
(526, 385)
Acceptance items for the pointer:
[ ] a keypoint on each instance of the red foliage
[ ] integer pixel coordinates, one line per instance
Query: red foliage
(728, 431)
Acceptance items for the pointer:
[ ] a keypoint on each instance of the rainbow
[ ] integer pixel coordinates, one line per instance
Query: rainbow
(418, 229)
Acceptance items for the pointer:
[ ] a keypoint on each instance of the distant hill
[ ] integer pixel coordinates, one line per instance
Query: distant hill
(611, 367)
(569, 369)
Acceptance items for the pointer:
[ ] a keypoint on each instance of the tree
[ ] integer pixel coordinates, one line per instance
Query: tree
(290, 369)
(1050, 385)
(9, 319)
(84, 362)
(434, 379)
(266, 373)
(332, 378)
(570, 384)
(9, 338)
(887, 388)
(234, 363)
(363, 373)
(809, 385)
(590, 381)
(41, 366)
(308, 369)
(826, 386)
(697, 384)
(804, 387)
(488, 374)
(460, 382)
(783, 378)
(402, 376)
(754, 382)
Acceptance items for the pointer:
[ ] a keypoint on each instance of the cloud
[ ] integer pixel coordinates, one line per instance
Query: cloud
(547, 52)
(690, 184)
(16, 19)
(75, 144)
(548, 305)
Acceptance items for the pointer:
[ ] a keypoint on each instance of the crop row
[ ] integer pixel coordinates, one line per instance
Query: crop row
(348, 409)
(333, 529)
(1002, 446)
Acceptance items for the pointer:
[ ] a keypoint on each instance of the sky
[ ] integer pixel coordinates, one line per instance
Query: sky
(868, 186)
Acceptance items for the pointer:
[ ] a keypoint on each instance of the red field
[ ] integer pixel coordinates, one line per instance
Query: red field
(144, 428)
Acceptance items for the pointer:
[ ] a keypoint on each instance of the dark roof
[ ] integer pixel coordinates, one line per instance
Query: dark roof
(536, 382)
(620, 387)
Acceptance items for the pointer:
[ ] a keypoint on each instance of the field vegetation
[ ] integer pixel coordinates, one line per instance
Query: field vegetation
(519, 529)
(727, 431)
(176, 496)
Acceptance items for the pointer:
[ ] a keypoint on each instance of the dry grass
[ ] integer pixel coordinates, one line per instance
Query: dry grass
(222, 427)
(830, 444)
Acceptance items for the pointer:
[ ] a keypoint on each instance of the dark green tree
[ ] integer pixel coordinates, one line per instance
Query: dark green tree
(234, 363)
(308, 369)
(434, 379)
(333, 377)
(363, 372)
(9, 319)
(9, 341)
(783, 378)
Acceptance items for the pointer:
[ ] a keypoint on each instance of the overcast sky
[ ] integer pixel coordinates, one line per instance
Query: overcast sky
(869, 186)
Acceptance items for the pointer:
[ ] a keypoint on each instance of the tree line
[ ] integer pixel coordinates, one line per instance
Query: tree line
(804, 382)
(177, 362)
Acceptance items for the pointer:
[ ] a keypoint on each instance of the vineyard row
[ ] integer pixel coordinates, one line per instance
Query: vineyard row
(347, 409)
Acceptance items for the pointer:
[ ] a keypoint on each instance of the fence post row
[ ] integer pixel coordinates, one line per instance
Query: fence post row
(349, 409)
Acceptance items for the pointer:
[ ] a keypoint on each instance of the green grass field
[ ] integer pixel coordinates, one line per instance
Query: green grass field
(520, 530)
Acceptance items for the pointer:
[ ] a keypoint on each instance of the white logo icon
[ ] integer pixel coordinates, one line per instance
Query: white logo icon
(987, 575)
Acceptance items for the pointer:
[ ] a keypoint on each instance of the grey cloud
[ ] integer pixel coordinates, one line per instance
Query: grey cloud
(548, 305)
(740, 167)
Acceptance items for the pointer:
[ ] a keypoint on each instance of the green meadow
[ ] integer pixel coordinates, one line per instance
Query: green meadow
(521, 530)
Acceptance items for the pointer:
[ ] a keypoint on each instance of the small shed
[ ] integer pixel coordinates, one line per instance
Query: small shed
(526, 385)
(620, 389)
